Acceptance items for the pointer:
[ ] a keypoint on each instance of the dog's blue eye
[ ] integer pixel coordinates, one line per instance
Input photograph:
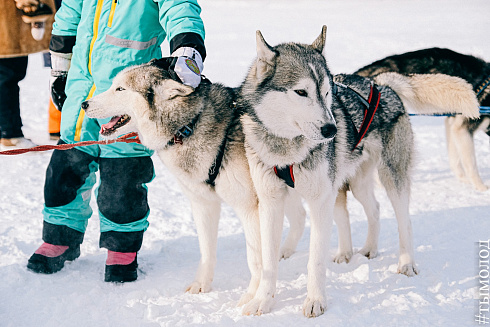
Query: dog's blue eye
(120, 89)
(301, 93)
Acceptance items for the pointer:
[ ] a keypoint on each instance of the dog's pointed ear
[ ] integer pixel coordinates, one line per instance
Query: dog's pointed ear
(265, 56)
(319, 43)
(171, 89)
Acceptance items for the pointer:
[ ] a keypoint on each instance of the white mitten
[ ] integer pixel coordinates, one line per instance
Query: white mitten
(188, 65)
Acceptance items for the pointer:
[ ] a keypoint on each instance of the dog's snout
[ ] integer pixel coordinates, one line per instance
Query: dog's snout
(329, 130)
(85, 105)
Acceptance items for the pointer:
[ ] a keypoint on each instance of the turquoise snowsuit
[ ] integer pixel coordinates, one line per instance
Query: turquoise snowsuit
(106, 36)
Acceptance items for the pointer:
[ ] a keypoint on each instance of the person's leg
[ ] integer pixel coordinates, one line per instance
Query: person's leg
(70, 177)
(12, 71)
(123, 211)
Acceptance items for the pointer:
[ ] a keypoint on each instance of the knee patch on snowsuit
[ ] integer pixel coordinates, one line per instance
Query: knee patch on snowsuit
(66, 173)
(122, 199)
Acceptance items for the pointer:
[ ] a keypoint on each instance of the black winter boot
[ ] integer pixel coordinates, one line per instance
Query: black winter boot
(47, 265)
(121, 273)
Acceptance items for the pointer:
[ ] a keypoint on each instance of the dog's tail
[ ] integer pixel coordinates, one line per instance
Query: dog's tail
(433, 93)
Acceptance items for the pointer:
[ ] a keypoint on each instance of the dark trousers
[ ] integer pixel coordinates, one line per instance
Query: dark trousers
(12, 71)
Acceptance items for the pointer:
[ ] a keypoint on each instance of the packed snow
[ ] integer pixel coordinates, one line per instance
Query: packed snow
(449, 217)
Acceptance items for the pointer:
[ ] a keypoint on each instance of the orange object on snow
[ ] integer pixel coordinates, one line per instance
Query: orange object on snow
(54, 121)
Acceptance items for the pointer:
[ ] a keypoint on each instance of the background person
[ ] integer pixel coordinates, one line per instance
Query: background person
(16, 42)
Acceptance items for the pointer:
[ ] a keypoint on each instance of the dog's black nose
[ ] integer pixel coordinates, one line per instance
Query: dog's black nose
(329, 130)
(85, 105)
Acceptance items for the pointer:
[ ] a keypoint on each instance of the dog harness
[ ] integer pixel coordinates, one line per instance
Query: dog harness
(187, 130)
(371, 105)
(286, 174)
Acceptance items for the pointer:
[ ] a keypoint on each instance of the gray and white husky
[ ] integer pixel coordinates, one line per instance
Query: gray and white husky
(198, 136)
(301, 119)
(459, 129)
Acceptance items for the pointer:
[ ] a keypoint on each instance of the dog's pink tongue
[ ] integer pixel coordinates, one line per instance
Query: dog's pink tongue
(110, 124)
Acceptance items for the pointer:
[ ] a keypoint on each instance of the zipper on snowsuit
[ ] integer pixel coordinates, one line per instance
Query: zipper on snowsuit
(81, 115)
(111, 13)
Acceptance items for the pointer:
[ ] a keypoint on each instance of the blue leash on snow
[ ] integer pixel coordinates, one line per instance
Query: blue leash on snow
(483, 111)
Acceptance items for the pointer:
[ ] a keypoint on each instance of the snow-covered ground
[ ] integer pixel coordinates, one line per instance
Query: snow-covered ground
(448, 217)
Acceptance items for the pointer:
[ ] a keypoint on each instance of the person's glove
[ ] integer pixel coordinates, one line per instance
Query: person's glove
(60, 63)
(184, 65)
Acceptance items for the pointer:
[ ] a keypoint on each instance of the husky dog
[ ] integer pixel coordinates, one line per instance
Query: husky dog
(198, 136)
(298, 116)
(459, 129)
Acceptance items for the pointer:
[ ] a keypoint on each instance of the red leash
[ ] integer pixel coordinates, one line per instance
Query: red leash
(125, 138)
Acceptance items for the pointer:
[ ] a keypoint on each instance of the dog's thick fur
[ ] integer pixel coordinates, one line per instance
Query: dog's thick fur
(157, 107)
(459, 129)
(292, 117)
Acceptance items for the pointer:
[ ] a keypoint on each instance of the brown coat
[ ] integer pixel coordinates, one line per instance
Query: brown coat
(15, 35)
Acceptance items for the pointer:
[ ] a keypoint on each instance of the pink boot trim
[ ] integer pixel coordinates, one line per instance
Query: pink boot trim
(120, 258)
(50, 250)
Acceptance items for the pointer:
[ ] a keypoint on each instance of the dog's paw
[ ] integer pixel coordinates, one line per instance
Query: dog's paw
(258, 306)
(285, 253)
(198, 287)
(247, 297)
(314, 307)
(368, 252)
(408, 269)
(481, 187)
(343, 257)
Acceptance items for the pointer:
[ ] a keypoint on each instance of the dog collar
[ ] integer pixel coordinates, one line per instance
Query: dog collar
(184, 132)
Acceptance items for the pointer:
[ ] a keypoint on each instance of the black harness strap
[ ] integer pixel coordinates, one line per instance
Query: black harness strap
(214, 170)
(373, 100)
(371, 105)
(215, 167)
(286, 174)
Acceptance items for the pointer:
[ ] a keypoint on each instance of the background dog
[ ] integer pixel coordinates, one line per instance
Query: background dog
(459, 129)
(298, 116)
